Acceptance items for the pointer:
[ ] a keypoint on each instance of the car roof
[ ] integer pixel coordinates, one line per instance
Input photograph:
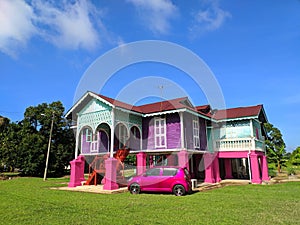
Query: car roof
(174, 167)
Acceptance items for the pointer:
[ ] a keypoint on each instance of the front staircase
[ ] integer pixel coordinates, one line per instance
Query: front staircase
(94, 178)
(97, 168)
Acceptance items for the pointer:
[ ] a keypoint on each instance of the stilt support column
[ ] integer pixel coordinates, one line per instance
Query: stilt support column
(110, 174)
(265, 172)
(141, 163)
(183, 159)
(254, 169)
(77, 172)
(217, 169)
(209, 168)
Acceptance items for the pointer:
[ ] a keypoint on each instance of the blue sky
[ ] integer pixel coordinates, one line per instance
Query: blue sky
(252, 47)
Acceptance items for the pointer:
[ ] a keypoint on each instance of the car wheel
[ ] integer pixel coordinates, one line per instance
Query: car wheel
(135, 188)
(178, 190)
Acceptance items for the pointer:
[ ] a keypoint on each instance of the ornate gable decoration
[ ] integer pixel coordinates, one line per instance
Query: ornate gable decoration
(94, 106)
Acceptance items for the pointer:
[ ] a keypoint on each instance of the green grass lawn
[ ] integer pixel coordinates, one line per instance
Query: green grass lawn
(31, 201)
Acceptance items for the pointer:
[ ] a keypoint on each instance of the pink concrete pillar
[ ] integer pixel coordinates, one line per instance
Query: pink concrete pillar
(265, 171)
(217, 170)
(183, 159)
(255, 176)
(110, 174)
(209, 168)
(76, 173)
(140, 163)
(81, 159)
(172, 160)
(228, 169)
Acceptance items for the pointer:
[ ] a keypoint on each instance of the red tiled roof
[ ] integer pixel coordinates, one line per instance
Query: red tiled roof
(120, 104)
(179, 103)
(167, 105)
(238, 112)
(164, 105)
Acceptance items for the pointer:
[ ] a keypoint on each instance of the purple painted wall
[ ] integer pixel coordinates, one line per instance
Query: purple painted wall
(103, 144)
(188, 127)
(172, 135)
(173, 131)
(135, 136)
(85, 146)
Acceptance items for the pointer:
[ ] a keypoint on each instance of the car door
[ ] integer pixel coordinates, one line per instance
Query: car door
(168, 178)
(151, 179)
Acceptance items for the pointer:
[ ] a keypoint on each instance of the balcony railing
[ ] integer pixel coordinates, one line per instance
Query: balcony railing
(241, 144)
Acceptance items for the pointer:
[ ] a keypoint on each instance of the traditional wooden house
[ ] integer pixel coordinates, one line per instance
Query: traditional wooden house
(212, 144)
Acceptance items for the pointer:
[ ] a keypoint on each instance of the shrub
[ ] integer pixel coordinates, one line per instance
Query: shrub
(272, 166)
(291, 171)
(272, 173)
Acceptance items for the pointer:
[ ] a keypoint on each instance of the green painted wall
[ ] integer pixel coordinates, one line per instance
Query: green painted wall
(233, 129)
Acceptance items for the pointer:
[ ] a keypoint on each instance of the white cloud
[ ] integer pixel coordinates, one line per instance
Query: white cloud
(209, 18)
(16, 25)
(156, 14)
(70, 25)
(67, 24)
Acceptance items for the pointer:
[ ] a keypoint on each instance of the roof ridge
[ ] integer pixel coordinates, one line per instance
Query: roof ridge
(242, 107)
(167, 100)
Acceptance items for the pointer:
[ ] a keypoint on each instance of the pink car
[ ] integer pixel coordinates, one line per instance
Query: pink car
(162, 179)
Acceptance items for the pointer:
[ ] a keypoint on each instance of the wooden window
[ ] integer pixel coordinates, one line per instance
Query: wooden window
(196, 133)
(88, 135)
(160, 132)
(94, 143)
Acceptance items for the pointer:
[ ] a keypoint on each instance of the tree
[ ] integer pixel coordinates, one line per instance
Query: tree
(8, 144)
(24, 145)
(3, 123)
(295, 157)
(37, 122)
(275, 146)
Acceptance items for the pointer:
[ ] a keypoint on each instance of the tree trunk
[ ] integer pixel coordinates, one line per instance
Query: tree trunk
(278, 167)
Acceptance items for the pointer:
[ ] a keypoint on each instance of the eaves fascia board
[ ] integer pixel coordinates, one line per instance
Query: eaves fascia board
(129, 111)
(264, 113)
(177, 111)
(238, 118)
(101, 99)
(200, 115)
(93, 95)
(164, 112)
(76, 104)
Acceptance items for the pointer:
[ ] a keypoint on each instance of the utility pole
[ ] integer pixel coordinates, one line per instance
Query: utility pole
(49, 145)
